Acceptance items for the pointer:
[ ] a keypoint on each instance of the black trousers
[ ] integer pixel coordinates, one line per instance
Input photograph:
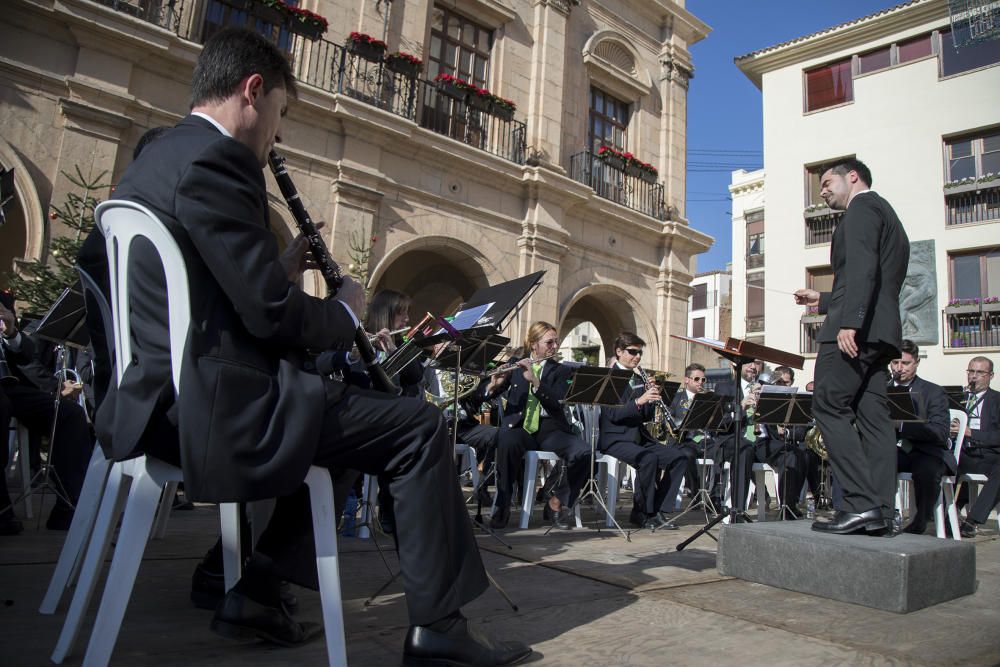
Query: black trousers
(788, 460)
(513, 442)
(653, 492)
(982, 461)
(927, 471)
(406, 441)
(73, 444)
(852, 412)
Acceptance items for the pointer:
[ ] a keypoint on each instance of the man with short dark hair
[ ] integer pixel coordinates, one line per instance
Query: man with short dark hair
(659, 469)
(862, 332)
(252, 418)
(981, 448)
(924, 449)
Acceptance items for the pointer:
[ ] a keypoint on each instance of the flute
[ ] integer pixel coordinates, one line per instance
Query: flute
(329, 269)
(508, 367)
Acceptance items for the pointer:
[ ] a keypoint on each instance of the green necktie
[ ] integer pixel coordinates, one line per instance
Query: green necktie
(749, 434)
(533, 409)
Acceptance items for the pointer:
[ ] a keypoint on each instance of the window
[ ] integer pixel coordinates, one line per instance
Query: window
(874, 60)
(975, 275)
(973, 156)
(755, 301)
(914, 49)
(820, 278)
(698, 327)
(699, 298)
(829, 85)
(459, 47)
(608, 120)
(221, 14)
(967, 58)
(755, 245)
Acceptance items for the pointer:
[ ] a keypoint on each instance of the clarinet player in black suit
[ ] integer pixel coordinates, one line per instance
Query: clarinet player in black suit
(862, 332)
(981, 448)
(659, 468)
(924, 449)
(535, 420)
(251, 420)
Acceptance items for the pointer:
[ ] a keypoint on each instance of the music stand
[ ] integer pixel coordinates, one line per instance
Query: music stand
(65, 324)
(956, 397)
(740, 353)
(779, 406)
(705, 415)
(902, 407)
(596, 385)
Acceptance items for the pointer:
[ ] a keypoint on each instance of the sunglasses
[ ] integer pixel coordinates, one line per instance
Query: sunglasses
(635, 352)
(697, 379)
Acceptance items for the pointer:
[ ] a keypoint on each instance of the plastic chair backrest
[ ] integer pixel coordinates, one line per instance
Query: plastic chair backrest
(963, 420)
(122, 222)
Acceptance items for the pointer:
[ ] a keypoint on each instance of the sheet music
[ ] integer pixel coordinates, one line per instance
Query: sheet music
(711, 341)
(777, 389)
(466, 319)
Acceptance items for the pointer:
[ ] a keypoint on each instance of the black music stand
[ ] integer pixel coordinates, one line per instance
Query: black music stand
(781, 406)
(956, 396)
(597, 385)
(705, 415)
(65, 324)
(901, 405)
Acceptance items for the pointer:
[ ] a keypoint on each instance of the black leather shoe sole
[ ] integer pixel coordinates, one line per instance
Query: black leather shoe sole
(410, 661)
(245, 633)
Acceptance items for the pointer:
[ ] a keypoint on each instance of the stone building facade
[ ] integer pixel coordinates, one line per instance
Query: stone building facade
(437, 197)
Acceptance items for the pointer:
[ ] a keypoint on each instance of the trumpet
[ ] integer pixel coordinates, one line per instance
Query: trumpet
(511, 365)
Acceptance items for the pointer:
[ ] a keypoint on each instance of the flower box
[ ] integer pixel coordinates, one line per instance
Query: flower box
(991, 307)
(480, 102)
(633, 170)
(404, 67)
(647, 176)
(311, 31)
(959, 310)
(613, 161)
(367, 50)
(962, 189)
(503, 112)
(270, 14)
(452, 90)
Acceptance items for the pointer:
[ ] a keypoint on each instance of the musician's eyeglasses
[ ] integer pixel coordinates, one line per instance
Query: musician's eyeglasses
(972, 372)
(550, 342)
(634, 351)
(697, 379)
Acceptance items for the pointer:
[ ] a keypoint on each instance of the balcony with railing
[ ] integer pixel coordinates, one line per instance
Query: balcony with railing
(969, 203)
(971, 326)
(339, 70)
(808, 328)
(755, 323)
(619, 185)
(755, 261)
(819, 224)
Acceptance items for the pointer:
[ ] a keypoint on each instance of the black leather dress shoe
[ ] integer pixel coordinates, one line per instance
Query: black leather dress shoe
(664, 522)
(239, 617)
(968, 529)
(459, 646)
(208, 588)
(916, 528)
(845, 523)
(637, 519)
(563, 519)
(500, 518)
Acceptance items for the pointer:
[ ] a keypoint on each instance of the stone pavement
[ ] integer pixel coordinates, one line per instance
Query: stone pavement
(585, 598)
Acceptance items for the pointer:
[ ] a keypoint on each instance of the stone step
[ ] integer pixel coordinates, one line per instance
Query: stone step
(901, 574)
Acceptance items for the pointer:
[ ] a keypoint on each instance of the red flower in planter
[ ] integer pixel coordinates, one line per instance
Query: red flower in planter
(408, 57)
(362, 38)
(306, 16)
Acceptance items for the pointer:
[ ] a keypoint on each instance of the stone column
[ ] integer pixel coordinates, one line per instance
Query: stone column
(675, 72)
(545, 98)
(355, 212)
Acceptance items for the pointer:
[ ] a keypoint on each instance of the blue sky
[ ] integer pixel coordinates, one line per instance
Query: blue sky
(724, 108)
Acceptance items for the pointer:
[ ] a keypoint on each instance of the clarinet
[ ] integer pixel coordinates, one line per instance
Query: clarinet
(327, 267)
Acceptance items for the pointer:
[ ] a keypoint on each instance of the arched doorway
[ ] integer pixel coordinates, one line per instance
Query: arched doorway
(22, 234)
(606, 311)
(437, 278)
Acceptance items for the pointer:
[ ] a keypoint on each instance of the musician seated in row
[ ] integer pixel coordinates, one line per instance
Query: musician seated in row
(924, 449)
(659, 468)
(699, 445)
(781, 449)
(981, 448)
(535, 420)
(747, 393)
(252, 417)
(34, 408)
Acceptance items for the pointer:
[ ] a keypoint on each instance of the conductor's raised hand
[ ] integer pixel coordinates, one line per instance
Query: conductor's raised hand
(806, 297)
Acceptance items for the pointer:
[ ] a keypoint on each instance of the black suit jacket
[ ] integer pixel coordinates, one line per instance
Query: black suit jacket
(624, 423)
(988, 433)
(930, 437)
(249, 416)
(551, 389)
(869, 255)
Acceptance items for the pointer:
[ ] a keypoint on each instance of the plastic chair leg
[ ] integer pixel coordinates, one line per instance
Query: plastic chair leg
(163, 514)
(369, 494)
(614, 477)
(83, 521)
(327, 564)
(530, 472)
(232, 561)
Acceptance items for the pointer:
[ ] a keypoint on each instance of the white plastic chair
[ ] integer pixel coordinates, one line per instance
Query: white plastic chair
(759, 485)
(974, 480)
(531, 459)
(122, 222)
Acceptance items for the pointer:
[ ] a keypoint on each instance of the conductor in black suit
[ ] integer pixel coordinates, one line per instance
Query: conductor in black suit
(251, 419)
(924, 449)
(862, 332)
(659, 468)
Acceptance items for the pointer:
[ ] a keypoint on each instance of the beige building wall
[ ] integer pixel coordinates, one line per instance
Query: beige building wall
(81, 82)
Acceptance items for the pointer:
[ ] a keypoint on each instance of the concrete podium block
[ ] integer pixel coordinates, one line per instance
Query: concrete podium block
(901, 574)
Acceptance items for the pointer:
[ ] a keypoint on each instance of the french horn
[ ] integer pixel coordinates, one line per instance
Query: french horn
(814, 441)
(446, 379)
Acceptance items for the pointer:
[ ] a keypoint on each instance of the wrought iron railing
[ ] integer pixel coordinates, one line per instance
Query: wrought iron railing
(755, 323)
(336, 69)
(807, 335)
(963, 208)
(973, 328)
(619, 186)
(755, 261)
(819, 228)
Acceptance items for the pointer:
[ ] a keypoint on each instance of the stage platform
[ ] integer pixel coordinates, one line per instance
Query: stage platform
(585, 597)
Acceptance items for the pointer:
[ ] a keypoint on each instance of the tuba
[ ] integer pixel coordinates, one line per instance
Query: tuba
(814, 441)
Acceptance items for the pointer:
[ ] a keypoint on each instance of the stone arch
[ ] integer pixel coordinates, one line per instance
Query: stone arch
(611, 309)
(437, 272)
(23, 235)
(614, 63)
